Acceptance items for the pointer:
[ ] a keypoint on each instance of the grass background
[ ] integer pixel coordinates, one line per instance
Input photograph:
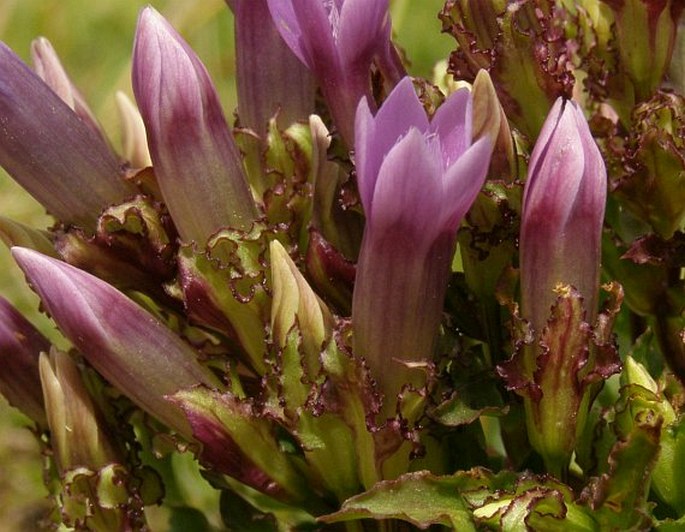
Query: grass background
(94, 41)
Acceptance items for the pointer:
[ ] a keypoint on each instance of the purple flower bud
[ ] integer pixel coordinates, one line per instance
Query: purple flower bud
(195, 158)
(270, 78)
(563, 212)
(337, 40)
(417, 179)
(560, 252)
(20, 346)
(132, 349)
(50, 151)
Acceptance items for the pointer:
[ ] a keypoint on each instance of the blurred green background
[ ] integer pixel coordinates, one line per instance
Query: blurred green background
(94, 41)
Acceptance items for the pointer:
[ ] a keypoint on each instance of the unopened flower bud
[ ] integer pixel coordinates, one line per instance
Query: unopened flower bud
(196, 161)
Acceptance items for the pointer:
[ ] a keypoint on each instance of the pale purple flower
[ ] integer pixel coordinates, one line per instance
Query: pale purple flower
(560, 253)
(196, 160)
(338, 40)
(131, 348)
(563, 212)
(417, 179)
(51, 151)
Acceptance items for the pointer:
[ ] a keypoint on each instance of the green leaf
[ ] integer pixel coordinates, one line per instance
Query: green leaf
(419, 498)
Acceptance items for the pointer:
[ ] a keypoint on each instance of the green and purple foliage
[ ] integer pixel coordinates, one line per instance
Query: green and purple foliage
(373, 302)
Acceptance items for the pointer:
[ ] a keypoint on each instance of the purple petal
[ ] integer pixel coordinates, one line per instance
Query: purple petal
(365, 156)
(132, 349)
(363, 30)
(50, 151)
(408, 191)
(306, 28)
(288, 26)
(556, 172)
(452, 123)
(317, 39)
(374, 137)
(542, 141)
(463, 180)
(196, 161)
(20, 347)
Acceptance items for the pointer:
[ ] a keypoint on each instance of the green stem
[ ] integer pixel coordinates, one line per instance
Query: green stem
(667, 330)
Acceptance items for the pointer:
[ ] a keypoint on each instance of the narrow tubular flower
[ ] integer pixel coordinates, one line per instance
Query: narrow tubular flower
(269, 77)
(560, 253)
(337, 40)
(51, 152)
(20, 346)
(195, 158)
(563, 212)
(417, 179)
(127, 345)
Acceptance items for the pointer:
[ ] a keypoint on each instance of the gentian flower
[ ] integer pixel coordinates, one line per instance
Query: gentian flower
(51, 151)
(417, 179)
(126, 344)
(560, 253)
(338, 40)
(195, 158)
(563, 212)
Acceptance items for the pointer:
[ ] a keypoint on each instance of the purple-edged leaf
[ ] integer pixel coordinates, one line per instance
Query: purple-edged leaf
(239, 442)
(132, 349)
(330, 272)
(197, 163)
(50, 151)
(224, 288)
(20, 346)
